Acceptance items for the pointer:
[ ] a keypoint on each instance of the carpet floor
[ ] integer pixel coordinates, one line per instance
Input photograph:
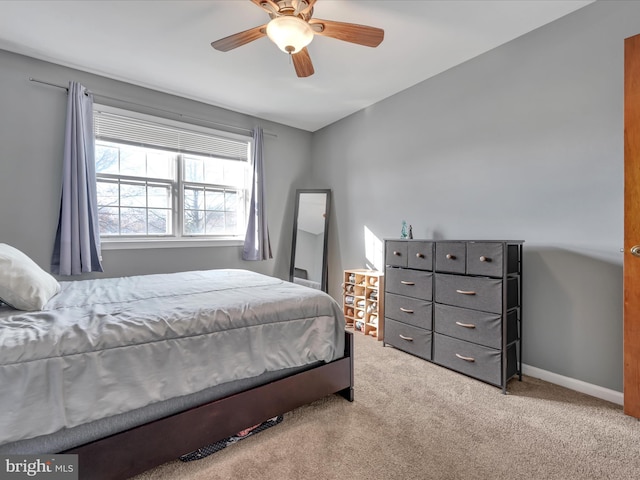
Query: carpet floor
(415, 420)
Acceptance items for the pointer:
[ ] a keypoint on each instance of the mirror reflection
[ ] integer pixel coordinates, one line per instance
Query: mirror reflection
(310, 234)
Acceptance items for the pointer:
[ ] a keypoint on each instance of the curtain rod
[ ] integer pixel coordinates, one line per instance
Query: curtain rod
(31, 79)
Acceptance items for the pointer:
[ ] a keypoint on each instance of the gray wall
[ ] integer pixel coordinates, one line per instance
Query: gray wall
(31, 144)
(523, 142)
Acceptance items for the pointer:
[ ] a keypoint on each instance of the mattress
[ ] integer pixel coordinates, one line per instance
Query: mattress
(102, 348)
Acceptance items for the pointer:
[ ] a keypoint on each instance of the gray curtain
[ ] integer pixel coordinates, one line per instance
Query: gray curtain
(77, 245)
(257, 245)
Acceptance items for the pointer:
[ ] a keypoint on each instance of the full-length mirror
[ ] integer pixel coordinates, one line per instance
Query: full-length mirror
(310, 238)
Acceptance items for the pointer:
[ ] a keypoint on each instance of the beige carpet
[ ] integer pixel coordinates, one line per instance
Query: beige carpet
(414, 420)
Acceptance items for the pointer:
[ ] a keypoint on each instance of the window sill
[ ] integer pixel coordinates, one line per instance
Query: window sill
(146, 243)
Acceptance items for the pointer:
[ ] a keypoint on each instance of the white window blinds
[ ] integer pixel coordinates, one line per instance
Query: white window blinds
(112, 127)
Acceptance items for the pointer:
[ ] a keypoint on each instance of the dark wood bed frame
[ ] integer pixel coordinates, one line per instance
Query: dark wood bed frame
(134, 451)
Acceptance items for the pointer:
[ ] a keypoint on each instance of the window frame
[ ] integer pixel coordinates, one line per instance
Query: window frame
(178, 239)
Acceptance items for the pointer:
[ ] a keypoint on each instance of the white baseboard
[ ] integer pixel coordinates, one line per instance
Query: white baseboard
(573, 384)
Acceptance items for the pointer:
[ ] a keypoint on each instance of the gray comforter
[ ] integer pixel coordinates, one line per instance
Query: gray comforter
(104, 347)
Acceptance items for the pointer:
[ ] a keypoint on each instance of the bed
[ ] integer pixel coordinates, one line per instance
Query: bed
(132, 372)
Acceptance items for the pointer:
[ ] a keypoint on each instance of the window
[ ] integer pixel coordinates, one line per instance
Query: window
(164, 180)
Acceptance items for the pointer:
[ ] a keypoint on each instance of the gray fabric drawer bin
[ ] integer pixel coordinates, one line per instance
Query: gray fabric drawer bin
(485, 259)
(488, 258)
(471, 325)
(420, 255)
(412, 283)
(474, 326)
(479, 293)
(414, 340)
(395, 254)
(471, 359)
(413, 311)
(451, 257)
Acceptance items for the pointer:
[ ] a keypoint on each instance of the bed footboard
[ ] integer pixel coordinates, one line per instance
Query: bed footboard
(136, 450)
(348, 353)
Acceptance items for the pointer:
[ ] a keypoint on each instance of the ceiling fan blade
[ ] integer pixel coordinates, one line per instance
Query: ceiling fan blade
(302, 63)
(348, 32)
(268, 6)
(239, 39)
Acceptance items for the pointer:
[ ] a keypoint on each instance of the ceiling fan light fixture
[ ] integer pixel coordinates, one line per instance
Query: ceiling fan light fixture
(291, 34)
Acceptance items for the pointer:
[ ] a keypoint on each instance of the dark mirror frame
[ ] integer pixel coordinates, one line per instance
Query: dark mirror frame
(299, 192)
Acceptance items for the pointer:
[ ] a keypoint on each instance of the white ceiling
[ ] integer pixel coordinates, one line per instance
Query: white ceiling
(165, 45)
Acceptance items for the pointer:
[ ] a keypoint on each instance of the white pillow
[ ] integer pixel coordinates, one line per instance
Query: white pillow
(23, 284)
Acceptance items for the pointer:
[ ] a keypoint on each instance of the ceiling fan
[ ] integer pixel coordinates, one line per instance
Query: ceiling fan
(292, 29)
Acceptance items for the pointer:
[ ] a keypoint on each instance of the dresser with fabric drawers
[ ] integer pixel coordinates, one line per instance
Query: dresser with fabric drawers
(457, 303)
